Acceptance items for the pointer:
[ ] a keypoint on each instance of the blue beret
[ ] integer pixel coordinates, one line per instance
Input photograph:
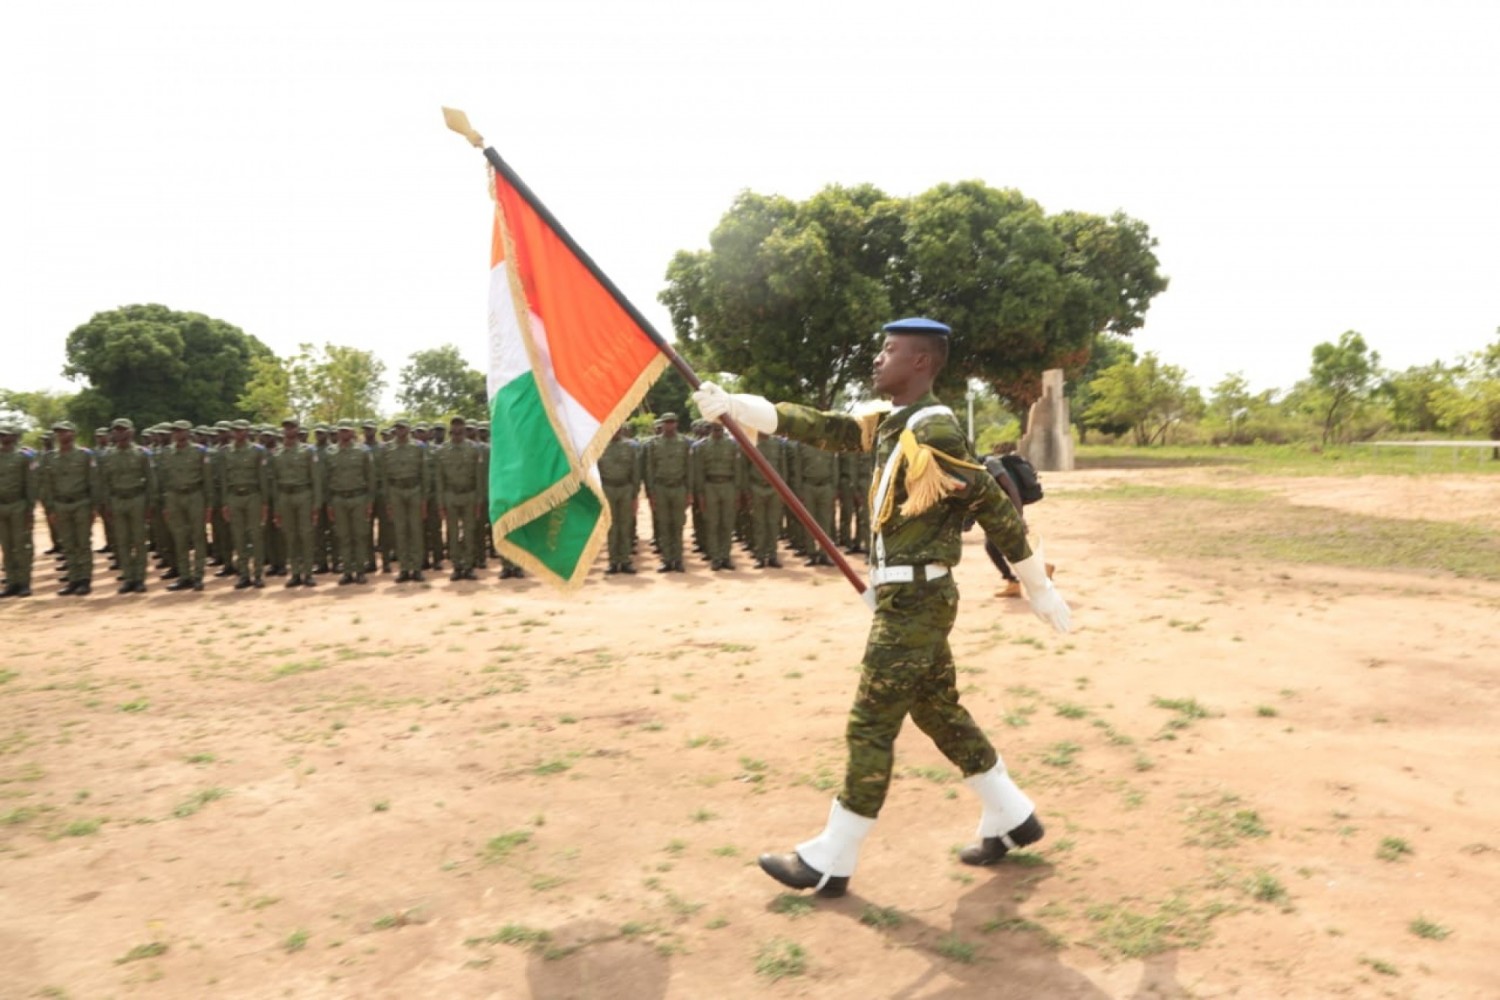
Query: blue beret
(918, 324)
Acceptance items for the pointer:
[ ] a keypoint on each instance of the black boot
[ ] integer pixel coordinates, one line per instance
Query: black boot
(791, 871)
(992, 849)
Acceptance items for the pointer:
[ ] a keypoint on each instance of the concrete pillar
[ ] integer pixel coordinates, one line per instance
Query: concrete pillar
(1048, 441)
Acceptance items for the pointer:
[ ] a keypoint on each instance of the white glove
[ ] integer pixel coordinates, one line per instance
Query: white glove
(1046, 603)
(755, 412)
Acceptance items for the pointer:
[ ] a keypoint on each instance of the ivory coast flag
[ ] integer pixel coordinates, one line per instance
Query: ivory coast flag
(568, 362)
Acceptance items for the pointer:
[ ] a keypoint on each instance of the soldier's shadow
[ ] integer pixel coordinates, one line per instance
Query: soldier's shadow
(993, 951)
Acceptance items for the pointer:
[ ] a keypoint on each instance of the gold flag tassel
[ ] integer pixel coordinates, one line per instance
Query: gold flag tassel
(926, 482)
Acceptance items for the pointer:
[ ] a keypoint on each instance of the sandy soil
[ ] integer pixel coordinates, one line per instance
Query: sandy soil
(489, 790)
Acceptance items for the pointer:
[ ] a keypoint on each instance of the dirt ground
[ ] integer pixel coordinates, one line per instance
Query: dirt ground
(1258, 780)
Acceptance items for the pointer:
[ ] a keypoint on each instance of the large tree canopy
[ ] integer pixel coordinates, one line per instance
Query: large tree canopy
(438, 383)
(154, 364)
(790, 296)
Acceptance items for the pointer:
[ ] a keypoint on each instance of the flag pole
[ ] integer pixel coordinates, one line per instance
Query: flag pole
(459, 122)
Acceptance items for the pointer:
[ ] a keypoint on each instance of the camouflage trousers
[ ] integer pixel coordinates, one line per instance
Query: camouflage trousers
(908, 670)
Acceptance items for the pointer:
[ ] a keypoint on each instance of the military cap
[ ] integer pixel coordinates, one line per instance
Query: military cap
(64, 425)
(346, 424)
(182, 425)
(919, 325)
(369, 425)
(201, 429)
(401, 422)
(422, 427)
(224, 425)
(458, 422)
(239, 425)
(290, 420)
(667, 418)
(8, 429)
(122, 422)
(100, 430)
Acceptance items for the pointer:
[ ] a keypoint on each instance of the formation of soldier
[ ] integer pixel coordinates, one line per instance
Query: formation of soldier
(705, 485)
(253, 502)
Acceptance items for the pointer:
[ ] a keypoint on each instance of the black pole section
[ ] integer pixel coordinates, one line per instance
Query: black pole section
(684, 369)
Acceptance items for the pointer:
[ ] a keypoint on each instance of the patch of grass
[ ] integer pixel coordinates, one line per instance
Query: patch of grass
(1239, 524)
(1266, 711)
(294, 667)
(1022, 925)
(138, 705)
(936, 775)
(1432, 931)
(6, 676)
(197, 801)
(1068, 710)
(1124, 933)
(391, 921)
(779, 958)
(956, 949)
(82, 828)
(1061, 754)
(501, 847)
(296, 941)
(1220, 828)
(384, 805)
(201, 758)
(554, 766)
(1381, 966)
(791, 904)
(882, 917)
(1393, 849)
(703, 816)
(520, 935)
(1267, 888)
(140, 951)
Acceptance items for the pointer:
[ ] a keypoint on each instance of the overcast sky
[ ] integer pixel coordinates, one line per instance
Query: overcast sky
(1307, 167)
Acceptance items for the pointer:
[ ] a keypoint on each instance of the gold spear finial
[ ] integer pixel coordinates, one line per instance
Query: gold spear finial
(459, 122)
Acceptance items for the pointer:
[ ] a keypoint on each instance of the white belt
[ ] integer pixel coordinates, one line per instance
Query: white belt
(881, 575)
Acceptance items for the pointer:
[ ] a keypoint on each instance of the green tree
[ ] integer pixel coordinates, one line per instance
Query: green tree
(438, 382)
(1108, 350)
(789, 295)
(268, 393)
(37, 410)
(334, 382)
(1146, 395)
(1414, 394)
(1344, 374)
(152, 364)
(1472, 404)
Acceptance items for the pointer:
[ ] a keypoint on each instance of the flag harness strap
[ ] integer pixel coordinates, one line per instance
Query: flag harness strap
(887, 483)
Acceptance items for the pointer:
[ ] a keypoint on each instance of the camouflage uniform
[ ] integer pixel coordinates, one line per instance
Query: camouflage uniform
(908, 666)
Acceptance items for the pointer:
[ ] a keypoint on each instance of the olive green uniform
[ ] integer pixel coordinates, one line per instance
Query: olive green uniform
(245, 488)
(70, 492)
(18, 495)
(185, 474)
(127, 488)
(349, 486)
(407, 485)
(817, 479)
(297, 482)
(461, 490)
(619, 473)
(908, 666)
(765, 502)
(667, 486)
(716, 483)
(856, 468)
